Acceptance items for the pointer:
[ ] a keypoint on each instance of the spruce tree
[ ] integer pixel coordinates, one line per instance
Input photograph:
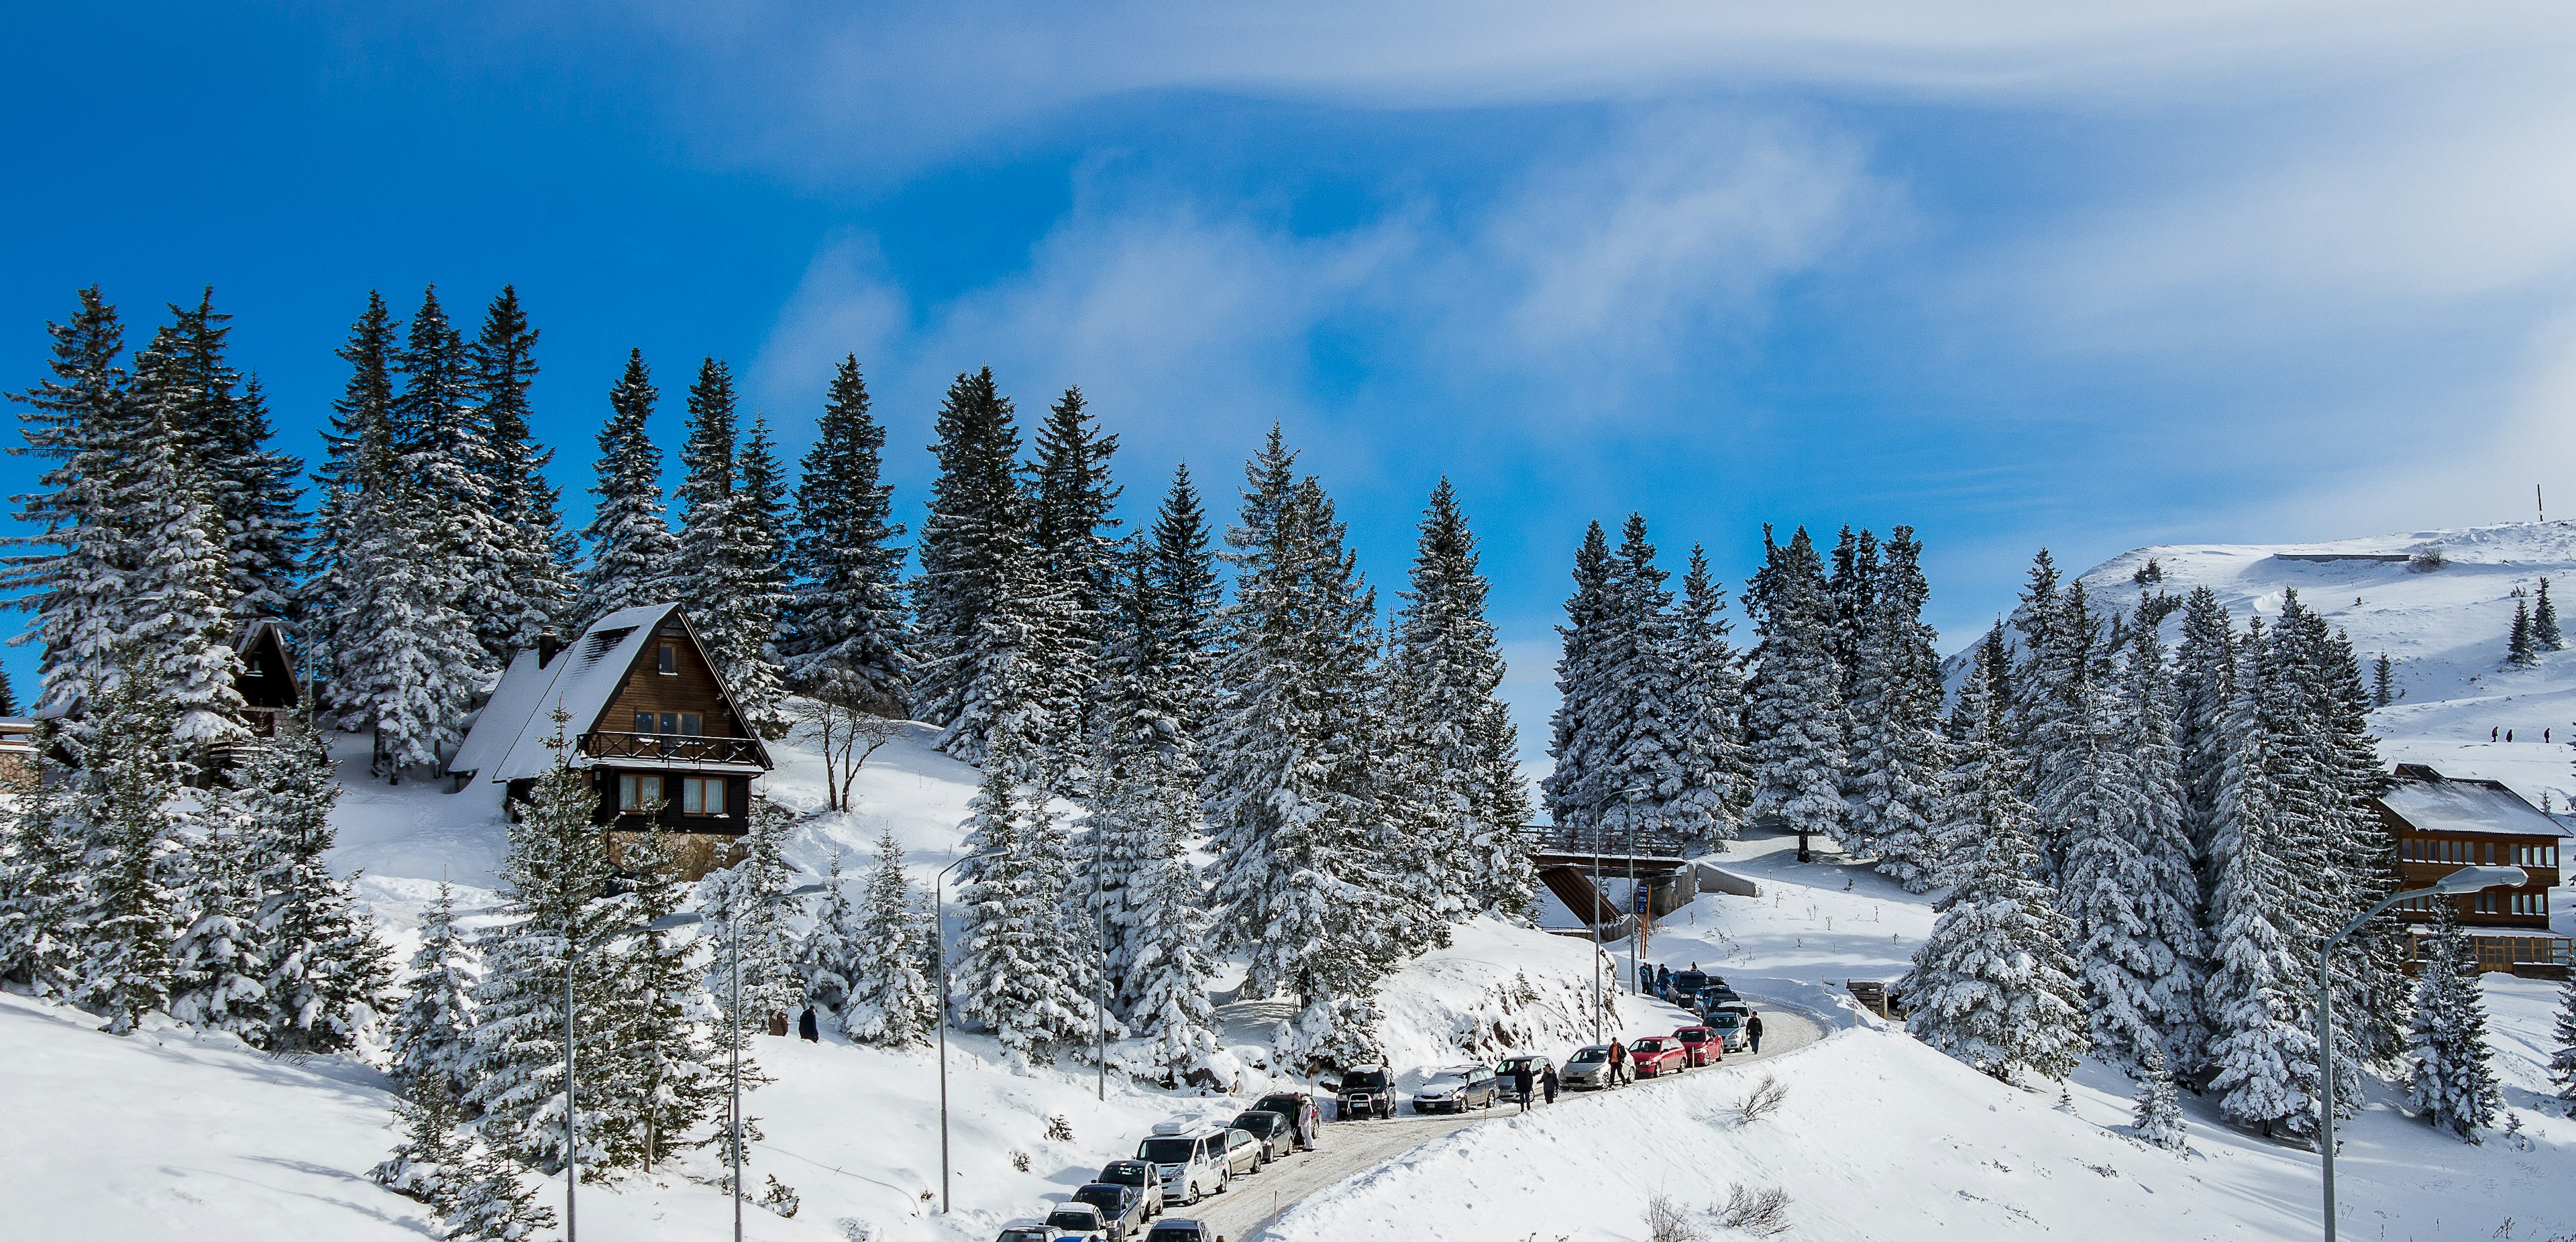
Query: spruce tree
(218, 963)
(8, 695)
(1993, 985)
(1170, 963)
(491, 1204)
(70, 574)
(1186, 595)
(429, 1163)
(1584, 710)
(827, 955)
(1716, 771)
(1454, 738)
(731, 550)
(667, 1072)
(129, 819)
(433, 1028)
(633, 557)
(1072, 520)
(252, 487)
(537, 590)
(2562, 1057)
(327, 974)
(976, 539)
(1793, 714)
(2383, 682)
(1640, 658)
(41, 887)
(1897, 754)
(2519, 649)
(444, 442)
(753, 940)
(847, 634)
(892, 1002)
(1026, 970)
(2450, 1082)
(2204, 687)
(2544, 622)
(2158, 1119)
(176, 596)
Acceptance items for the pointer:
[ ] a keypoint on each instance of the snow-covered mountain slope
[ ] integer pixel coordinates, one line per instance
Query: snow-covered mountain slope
(2444, 628)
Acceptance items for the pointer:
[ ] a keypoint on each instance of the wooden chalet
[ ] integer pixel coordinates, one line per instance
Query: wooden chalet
(647, 717)
(2442, 824)
(265, 677)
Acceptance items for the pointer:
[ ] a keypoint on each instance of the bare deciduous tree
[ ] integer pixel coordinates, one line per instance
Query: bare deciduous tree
(1758, 1210)
(1767, 1096)
(847, 733)
(1666, 1221)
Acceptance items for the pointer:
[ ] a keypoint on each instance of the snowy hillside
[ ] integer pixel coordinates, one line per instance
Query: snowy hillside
(2443, 627)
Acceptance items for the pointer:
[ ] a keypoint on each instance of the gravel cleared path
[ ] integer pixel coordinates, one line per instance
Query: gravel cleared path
(1347, 1149)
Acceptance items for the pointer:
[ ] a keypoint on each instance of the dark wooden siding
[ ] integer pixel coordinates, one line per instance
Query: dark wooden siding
(689, 687)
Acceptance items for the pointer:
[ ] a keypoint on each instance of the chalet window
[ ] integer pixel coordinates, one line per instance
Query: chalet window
(692, 724)
(643, 722)
(638, 793)
(667, 660)
(701, 795)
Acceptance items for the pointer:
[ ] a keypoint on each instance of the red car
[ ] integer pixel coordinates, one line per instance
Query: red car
(1703, 1045)
(1658, 1055)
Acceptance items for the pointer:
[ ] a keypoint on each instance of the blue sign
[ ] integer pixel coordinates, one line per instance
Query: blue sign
(1644, 892)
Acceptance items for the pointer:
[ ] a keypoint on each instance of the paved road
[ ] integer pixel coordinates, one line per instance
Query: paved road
(1347, 1149)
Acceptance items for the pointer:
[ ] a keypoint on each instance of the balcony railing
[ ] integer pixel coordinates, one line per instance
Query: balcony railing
(1613, 843)
(669, 747)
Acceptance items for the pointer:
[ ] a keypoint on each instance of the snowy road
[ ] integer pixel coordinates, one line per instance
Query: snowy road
(1348, 1149)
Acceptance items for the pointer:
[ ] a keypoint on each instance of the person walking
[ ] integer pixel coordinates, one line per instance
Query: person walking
(1547, 1082)
(778, 1023)
(1523, 1082)
(807, 1029)
(1753, 1032)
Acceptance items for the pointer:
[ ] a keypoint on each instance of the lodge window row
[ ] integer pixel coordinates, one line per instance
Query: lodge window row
(685, 724)
(2430, 850)
(699, 795)
(2490, 903)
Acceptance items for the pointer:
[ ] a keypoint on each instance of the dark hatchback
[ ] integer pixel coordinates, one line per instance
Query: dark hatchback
(1122, 1209)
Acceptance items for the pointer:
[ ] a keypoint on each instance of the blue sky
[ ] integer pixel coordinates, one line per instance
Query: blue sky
(2016, 275)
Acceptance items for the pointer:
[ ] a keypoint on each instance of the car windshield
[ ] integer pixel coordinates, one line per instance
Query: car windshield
(1103, 1197)
(1258, 1123)
(1074, 1218)
(1166, 1150)
(1692, 1036)
(1031, 1234)
(1283, 1103)
(1445, 1078)
(1124, 1174)
(1516, 1065)
(1172, 1235)
(1591, 1055)
(1364, 1080)
(1647, 1045)
(1724, 1020)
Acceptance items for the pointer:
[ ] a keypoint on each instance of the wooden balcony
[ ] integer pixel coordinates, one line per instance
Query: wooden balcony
(672, 748)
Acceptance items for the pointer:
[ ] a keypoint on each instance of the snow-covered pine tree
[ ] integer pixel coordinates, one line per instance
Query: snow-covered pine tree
(2158, 1119)
(1584, 712)
(1073, 524)
(892, 1002)
(538, 590)
(827, 955)
(253, 489)
(8, 695)
(2449, 1081)
(131, 826)
(1449, 730)
(327, 974)
(2204, 685)
(666, 1075)
(491, 1204)
(70, 574)
(553, 885)
(1138, 749)
(846, 634)
(2383, 682)
(2129, 885)
(218, 963)
(1716, 769)
(2544, 622)
(429, 1163)
(444, 441)
(41, 887)
(731, 571)
(1793, 714)
(1307, 872)
(1851, 584)
(175, 595)
(2519, 649)
(1170, 964)
(632, 553)
(2562, 1057)
(1897, 755)
(2066, 726)
(746, 920)
(1993, 985)
(1640, 656)
(1026, 967)
(403, 657)
(1187, 594)
(432, 1030)
(2263, 1052)
(976, 538)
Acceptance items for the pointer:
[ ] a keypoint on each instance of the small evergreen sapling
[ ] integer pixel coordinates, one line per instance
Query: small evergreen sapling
(432, 1028)
(127, 801)
(2383, 681)
(429, 1163)
(2544, 622)
(891, 1003)
(2562, 1061)
(40, 889)
(827, 956)
(327, 974)
(492, 1204)
(2158, 1119)
(219, 959)
(2451, 1083)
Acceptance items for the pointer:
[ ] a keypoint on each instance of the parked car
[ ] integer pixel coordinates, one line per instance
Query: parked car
(1687, 983)
(1713, 995)
(1730, 1028)
(1191, 1160)
(1595, 1067)
(1304, 1119)
(1365, 1092)
(1178, 1230)
(1078, 1220)
(1147, 1180)
(1243, 1154)
(1277, 1140)
(1739, 1007)
(1658, 1055)
(1121, 1206)
(1506, 1074)
(1701, 1043)
(1026, 1231)
(1457, 1089)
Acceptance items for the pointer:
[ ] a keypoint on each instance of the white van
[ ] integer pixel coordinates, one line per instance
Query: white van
(1191, 1156)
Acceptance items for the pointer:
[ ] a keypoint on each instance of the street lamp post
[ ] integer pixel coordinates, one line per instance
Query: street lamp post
(939, 950)
(2464, 880)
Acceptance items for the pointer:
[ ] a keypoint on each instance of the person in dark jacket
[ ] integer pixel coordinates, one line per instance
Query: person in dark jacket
(1547, 1081)
(807, 1028)
(1753, 1031)
(1523, 1082)
(778, 1023)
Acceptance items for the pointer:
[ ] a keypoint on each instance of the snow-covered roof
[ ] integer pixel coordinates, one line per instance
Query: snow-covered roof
(2431, 802)
(508, 741)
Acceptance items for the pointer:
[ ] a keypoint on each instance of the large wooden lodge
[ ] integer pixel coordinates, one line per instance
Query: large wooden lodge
(645, 715)
(2442, 824)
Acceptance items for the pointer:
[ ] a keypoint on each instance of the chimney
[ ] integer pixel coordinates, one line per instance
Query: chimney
(549, 641)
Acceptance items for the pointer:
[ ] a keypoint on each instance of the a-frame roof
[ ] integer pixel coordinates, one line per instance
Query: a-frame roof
(508, 741)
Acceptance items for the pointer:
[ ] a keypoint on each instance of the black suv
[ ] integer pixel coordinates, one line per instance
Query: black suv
(1366, 1093)
(1299, 1108)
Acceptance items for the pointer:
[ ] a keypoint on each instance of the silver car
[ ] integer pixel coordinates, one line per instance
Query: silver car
(1597, 1067)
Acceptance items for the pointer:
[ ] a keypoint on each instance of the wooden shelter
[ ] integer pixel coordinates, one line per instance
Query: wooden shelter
(2441, 824)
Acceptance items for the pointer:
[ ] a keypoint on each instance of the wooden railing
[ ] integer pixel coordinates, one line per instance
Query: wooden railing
(669, 747)
(1610, 843)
